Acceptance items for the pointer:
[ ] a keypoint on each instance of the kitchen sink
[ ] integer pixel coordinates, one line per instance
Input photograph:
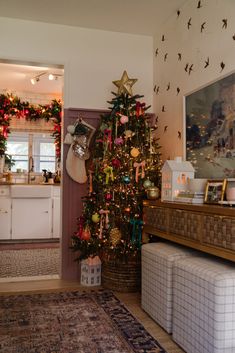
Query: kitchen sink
(31, 191)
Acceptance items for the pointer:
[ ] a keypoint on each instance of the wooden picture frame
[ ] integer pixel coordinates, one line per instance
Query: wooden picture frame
(215, 190)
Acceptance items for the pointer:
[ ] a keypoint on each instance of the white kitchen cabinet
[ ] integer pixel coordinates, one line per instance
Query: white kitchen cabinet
(31, 218)
(56, 228)
(5, 218)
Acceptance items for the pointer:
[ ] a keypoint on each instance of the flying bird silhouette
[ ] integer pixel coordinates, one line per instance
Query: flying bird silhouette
(225, 23)
(168, 86)
(203, 26)
(222, 65)
(190, 69)
(156, 52)
(165, 128)
(163, 38)
(199, 5)
(207, 63)
(178, 13)
(234, 37)
(157, 90)
(179, 135)
(189, 24)
(154, 89)
(163, 109)
(178, 90)
(165, 56)
(186, 67)
(179, 56)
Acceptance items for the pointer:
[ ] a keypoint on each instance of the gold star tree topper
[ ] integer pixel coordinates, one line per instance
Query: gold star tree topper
(125, 84)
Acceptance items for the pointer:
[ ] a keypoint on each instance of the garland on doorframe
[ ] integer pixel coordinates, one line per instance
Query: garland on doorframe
(12, 106)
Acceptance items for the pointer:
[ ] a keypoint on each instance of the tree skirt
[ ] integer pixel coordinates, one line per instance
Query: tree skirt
(71, 322)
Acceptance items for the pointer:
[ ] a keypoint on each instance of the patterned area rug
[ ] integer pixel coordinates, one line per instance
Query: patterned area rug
(29, 262)
(71, 322)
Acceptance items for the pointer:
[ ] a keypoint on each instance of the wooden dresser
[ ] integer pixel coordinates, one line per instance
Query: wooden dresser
(209, 228)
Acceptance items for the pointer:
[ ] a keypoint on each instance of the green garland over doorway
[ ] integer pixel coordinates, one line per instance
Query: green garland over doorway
(12, 106)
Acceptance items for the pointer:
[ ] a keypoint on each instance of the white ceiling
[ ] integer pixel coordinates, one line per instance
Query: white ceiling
(129, 16)
(142, 17)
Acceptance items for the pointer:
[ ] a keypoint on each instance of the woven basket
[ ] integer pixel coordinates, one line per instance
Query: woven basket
(120, 276)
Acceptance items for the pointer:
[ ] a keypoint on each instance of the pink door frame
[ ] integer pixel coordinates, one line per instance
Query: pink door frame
(72, 193)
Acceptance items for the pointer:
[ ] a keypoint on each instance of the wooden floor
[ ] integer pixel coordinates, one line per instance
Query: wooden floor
(131, 300)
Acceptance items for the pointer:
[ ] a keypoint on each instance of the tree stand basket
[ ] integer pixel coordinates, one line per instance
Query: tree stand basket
(121, 276)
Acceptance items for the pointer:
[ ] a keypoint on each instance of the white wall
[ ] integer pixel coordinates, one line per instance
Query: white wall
(92, 58)
(195, 46)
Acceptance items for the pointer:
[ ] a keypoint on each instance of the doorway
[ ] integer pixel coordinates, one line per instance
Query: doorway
(30, 239)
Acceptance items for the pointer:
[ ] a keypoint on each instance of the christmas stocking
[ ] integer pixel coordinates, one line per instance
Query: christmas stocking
(78, 153)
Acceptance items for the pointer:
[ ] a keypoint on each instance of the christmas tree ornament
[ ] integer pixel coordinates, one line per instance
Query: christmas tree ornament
(125, 84)
(124, 119)
(129, 134)
(115, 236)
(86, 234)
(126, 179)
(135, 152)
(147, 183)
(119, 141)
(137, 173)
(116, 163)
(108, 174)
(108, 196)
(127, 209)
(139, 109)
(95, 218)
(136, 231)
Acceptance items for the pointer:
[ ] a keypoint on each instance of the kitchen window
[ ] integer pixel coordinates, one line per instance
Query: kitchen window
(34, 151)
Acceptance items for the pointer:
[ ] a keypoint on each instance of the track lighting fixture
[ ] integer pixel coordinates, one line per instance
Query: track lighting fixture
(51, 77)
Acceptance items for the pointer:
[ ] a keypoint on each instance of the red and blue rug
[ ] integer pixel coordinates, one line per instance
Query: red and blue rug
(71, 322)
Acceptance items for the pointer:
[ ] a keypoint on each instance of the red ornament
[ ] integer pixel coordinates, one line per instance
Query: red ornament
(108, 196)
(86, 234)
(139, 108)
(116, 163)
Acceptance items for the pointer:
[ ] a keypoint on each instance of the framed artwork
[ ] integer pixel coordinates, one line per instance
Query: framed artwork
(215, 190)
(210, 129)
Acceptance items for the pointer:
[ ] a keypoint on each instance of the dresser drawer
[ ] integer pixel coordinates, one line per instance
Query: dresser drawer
(156, 217)
(185, 223)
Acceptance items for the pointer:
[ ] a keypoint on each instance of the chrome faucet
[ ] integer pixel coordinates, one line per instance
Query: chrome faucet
(31, 164)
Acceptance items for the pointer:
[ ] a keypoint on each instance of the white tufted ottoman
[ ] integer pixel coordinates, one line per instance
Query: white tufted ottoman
(156, 287)
(204, 305)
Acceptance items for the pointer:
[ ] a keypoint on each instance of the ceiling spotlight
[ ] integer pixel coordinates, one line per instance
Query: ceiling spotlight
(52, 77)
(36, 79)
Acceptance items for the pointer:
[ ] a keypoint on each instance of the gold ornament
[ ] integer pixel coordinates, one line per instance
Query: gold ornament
(124, 85)
(135, 152)
(115, 236)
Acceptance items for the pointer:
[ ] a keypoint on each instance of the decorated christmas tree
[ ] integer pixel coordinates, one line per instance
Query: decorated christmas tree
(125, 161)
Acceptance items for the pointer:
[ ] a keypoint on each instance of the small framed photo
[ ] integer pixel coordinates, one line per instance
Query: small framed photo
(215, 190)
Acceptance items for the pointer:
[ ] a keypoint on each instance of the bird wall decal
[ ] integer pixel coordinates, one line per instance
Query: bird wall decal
(207, 63)
(199, 5)
(225, 23)
(168, 86)
(189, 24)
(165, 128)
(222, 65)
(165, 57)
(179, 135)
(177, 90)
(186, 67)
(179, 56)
(156, 52)
(234, 37)
(178, 13)
(154, 89)
(203, 26)
(190, 69)
(157, 90)
(163, 38)
(163, 109)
